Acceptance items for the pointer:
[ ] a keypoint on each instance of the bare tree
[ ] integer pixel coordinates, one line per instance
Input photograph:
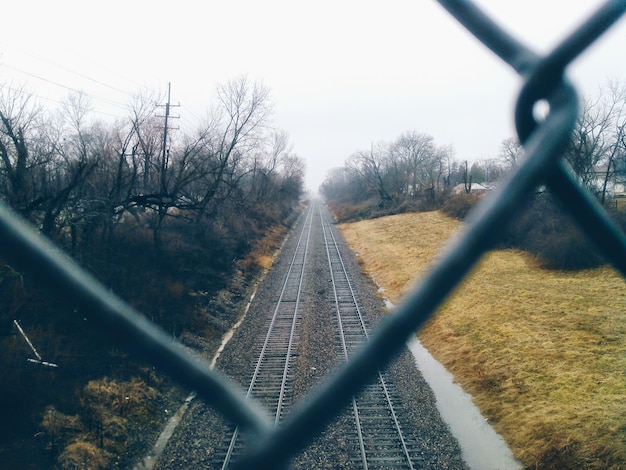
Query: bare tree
(371, 166)
(418, 154)
(487, 170)
(597, 144)
(590, 143)
(511, 151)
(343, 184)
(410, 167)
(293, 171)
(18, 116)
(43, 161)
(446, 163)
(148, 140)
(238, 125)
(267, 162)
(616, 152)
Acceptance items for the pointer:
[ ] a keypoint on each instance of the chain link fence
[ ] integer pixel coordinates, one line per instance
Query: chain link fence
(544, 80)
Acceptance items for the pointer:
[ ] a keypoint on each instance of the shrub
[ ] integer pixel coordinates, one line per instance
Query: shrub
(458, 206)
(81, 455)
(545, 230)
(353, 212)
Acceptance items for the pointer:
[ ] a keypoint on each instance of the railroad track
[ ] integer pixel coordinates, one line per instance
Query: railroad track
(376, 431)
(272, 377)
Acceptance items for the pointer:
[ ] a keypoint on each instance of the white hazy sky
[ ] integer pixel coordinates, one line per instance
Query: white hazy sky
(342, 74)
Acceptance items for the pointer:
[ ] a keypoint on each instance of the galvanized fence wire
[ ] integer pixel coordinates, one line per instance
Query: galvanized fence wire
(544, 142)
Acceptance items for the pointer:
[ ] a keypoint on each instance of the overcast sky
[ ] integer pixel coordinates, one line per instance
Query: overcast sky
(342, 74)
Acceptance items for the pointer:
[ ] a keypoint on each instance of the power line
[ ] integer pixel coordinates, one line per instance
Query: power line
(83, 75)
(47, 98)
(190, 124)
(119, 90)
(66, 87)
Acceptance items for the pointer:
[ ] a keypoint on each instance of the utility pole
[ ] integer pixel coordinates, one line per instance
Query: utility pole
(163, 197)
(165, 151)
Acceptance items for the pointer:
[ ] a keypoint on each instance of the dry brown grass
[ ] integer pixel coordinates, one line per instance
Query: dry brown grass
(543, 353)
(263, 254)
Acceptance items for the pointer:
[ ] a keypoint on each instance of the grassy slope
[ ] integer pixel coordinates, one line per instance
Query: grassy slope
(543, 353)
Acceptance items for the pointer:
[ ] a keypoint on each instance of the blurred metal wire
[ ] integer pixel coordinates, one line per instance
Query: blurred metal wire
(544, 79)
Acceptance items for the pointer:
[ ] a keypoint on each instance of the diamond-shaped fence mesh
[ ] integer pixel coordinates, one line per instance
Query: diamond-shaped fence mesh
(544, 80)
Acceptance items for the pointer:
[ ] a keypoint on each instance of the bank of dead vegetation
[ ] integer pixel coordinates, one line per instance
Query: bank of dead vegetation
(176, 228)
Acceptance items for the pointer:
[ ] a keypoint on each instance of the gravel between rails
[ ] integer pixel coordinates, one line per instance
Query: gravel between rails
(194, 442)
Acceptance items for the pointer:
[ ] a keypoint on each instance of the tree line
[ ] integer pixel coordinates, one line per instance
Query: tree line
(71, 175)
(414, 173)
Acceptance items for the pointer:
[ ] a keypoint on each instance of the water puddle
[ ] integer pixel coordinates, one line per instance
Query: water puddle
(481, 447)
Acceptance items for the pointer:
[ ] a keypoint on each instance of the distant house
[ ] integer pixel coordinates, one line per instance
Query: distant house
(476, 188)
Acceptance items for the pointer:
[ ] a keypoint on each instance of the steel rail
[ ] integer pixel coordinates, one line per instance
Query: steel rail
(298, 259)
(344, 346)
(339, 267)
